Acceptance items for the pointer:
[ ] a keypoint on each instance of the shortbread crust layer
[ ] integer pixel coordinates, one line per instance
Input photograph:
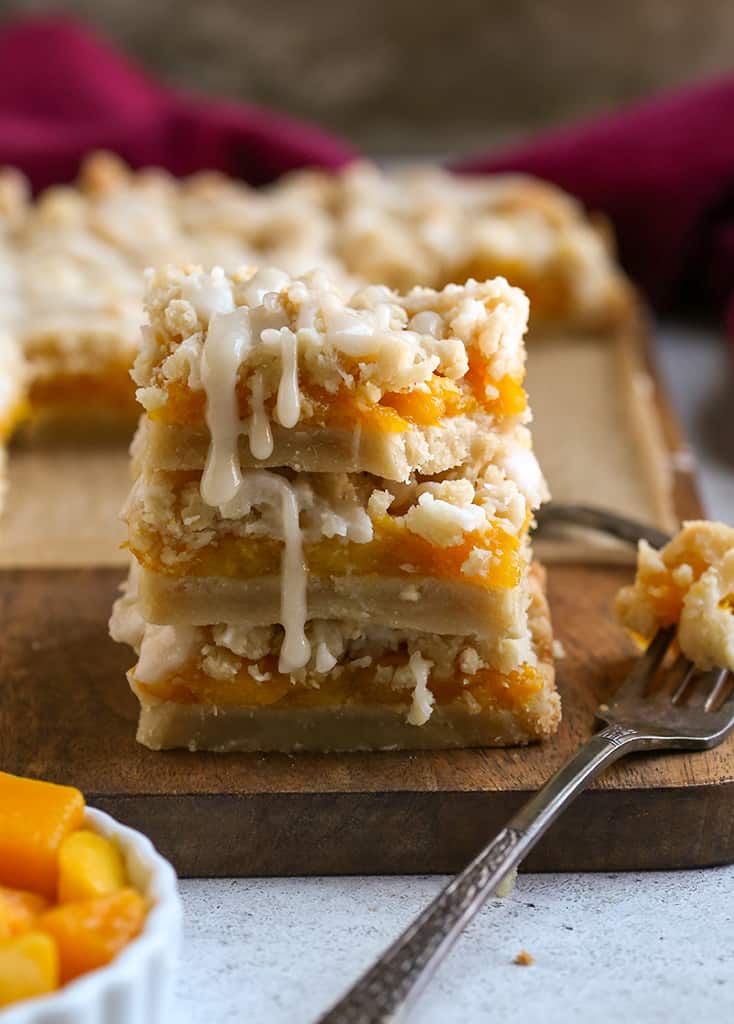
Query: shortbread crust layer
(164, 725)
(441, 606)
(425, 450)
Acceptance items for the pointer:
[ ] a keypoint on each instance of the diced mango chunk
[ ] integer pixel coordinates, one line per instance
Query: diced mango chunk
(29, 966)
(90, 933)
(89, 866)
(18, 909)
(34, 819)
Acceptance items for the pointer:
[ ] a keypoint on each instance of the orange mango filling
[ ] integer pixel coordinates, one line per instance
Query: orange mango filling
(18, 412)
(549, 290)
(190, 685)
(396, 412)
(665, 594)
(394, 552)
(510, 399)
(443, 398)
(109, 389)
(66, 905)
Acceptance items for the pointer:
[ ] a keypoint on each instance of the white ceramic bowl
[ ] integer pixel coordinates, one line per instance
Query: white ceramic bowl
(135, 987)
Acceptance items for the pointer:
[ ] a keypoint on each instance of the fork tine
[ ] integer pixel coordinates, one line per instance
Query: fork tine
(680, 674)
(646, 666)
(722, 688)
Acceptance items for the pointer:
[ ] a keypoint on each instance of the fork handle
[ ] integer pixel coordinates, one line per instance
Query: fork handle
(387, 990)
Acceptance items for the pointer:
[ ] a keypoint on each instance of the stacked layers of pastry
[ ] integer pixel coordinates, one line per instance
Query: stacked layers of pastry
(77, 255)
(330, 517)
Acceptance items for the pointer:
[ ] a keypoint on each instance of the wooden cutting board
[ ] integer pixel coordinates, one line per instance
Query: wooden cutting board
(66, 714)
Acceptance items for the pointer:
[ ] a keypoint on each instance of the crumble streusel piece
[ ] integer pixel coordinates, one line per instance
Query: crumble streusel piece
(689, 582)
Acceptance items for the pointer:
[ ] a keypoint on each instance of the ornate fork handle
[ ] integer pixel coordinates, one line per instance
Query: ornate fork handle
(386, 991)
(386, 988)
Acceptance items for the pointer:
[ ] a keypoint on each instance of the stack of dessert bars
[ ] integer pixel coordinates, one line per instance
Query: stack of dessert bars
(329, 521)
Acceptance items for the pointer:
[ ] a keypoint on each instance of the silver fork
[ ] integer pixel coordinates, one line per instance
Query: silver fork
(675, 709)
(554, 513)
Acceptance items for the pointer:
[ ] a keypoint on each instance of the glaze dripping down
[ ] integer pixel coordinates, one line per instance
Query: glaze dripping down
(232, 335)
(227, 342)
(263, 487)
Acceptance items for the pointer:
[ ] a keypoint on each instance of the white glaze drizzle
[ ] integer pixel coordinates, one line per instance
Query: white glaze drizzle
(164, 649)
(346, 330)
(261, 436)
(269, 279)
(421, 705)
(288, 404)
(228, 339)
(209, 294)
(261, 486)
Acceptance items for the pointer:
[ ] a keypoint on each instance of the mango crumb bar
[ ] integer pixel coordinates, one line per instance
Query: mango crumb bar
(374, 381)
(303, 578)
(73, 259)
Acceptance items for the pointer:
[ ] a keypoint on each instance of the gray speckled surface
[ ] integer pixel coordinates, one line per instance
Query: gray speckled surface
(634, 947)
(654, 947)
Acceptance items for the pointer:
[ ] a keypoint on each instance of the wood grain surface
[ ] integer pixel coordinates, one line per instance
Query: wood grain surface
(66, 714)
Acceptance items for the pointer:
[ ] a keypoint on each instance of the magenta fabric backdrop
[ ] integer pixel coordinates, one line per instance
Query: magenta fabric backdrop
(663, 171)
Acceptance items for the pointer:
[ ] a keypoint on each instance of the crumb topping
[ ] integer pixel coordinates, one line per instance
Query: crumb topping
(375, 341)
(689, 582)
(76, 255)
(170, 521)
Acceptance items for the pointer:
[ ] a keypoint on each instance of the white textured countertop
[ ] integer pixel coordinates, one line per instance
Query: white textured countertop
(629, 947)
(653, 947)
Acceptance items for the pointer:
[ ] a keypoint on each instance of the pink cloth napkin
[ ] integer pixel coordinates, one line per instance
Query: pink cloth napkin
(64, 92)
(663, 171)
